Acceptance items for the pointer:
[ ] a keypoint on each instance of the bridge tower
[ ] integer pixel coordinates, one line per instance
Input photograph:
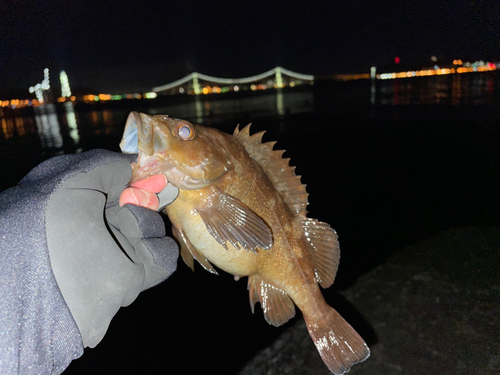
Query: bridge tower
(279, 78)
(196, 84)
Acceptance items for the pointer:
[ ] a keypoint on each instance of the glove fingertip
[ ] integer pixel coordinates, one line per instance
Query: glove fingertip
(138, 222)
(165, 252)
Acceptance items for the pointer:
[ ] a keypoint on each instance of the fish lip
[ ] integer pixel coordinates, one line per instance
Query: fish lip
(138, 137)
(129, 143)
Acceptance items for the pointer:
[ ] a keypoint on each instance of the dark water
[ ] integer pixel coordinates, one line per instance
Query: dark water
(386, 166)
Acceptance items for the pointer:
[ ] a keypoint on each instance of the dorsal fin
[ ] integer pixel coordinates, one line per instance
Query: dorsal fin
(283, 176)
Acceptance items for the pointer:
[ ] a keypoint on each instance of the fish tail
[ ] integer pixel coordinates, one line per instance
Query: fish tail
(339, 345)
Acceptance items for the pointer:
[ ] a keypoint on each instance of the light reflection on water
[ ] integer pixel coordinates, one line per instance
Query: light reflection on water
(269, 103)
(17, 126)
(72, 124)
(454, 89)
(64, 127)
(48, 126)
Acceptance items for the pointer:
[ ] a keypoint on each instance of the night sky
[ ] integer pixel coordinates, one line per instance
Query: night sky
(130, 46)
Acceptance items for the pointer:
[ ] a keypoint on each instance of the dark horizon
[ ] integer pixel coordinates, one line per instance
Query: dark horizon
(127, 47)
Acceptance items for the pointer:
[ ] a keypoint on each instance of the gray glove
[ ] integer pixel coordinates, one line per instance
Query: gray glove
(102, 256)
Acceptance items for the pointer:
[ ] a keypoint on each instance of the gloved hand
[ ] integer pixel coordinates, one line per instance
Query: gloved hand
(63, 220)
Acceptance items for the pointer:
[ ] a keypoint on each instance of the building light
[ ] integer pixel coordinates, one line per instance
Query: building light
(65, 89)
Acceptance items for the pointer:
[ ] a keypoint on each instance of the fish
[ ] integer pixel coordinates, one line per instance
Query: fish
(242, 209)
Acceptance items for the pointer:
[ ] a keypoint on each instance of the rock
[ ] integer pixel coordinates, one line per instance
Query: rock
(434, 307)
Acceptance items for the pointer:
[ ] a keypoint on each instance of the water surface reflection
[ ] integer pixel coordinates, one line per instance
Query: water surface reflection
(39, 132)
(49, 129)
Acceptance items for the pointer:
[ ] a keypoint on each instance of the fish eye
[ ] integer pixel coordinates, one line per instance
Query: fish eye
(185, 131)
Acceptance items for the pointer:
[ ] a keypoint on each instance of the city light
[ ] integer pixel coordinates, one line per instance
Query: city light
(65, 90)
(40, 87)
(104, 97)
(274, 78)
(478, 66)
(458, 67)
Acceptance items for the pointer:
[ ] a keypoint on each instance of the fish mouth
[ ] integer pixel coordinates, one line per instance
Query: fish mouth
(139, 138)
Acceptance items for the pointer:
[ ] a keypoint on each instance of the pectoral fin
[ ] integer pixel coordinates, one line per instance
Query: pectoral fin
(228, 219)
(278, 307)
(189, 253)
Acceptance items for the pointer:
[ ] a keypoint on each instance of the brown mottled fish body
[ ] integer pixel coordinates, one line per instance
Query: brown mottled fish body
(241, 207)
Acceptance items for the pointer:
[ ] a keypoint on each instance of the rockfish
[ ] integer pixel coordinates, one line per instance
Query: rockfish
(241, 208)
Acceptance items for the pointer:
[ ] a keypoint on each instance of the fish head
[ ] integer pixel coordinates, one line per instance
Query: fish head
(185, 153)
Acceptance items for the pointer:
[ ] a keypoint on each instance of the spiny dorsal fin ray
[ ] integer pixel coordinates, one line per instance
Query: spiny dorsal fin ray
(278, 307)
(229, 220)
(188, 252)
(283, 176)
(325, 250)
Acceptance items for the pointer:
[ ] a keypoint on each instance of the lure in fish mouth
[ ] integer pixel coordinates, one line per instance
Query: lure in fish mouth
(241, 208)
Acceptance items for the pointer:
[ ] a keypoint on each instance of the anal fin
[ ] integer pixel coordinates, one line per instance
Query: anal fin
(278, 307)
(188, 252)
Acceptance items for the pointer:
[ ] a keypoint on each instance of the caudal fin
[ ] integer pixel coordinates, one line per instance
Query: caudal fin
(337, 342)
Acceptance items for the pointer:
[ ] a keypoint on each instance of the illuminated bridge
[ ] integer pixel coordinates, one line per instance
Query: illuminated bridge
(198, 83)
